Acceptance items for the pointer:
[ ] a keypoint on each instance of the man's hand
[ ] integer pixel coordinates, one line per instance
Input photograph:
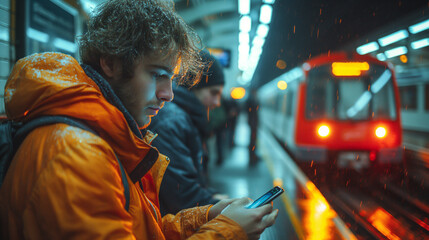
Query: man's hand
(253, 221)
(218, 207)
(219, 196)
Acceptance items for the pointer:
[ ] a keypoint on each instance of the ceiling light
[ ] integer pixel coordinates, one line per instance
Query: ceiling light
(396, 52)
(416, 28)
(243, 37)
(244, 7)
(381, 57)
(245, 24)
(266, 11)
(262, 30)
(420, 43)
(367, 48)
(394, 37)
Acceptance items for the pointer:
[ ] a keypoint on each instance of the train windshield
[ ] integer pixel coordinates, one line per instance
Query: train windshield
(366, 97)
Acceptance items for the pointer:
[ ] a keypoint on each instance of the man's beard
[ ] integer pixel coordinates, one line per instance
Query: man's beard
(146, 123)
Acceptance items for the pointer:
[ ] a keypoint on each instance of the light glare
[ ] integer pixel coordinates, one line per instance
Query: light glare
(282, 85)
(367, 48)
(420, 43)
(243, 38)
(416, 28)
(323, 131)
(262, 30)
(381, 57)
(396, 52)
(394, 37)
(380, 132)
(266, 11)
(238, 93)
(245, 24)
(244, 7)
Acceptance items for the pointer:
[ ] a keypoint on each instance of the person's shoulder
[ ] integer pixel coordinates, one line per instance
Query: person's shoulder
(171, 112)
(63, 136)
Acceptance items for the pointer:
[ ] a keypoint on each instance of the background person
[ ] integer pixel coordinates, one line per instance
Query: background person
(182, 129)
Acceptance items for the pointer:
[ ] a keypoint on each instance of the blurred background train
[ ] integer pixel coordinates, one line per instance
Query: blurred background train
(337, 112)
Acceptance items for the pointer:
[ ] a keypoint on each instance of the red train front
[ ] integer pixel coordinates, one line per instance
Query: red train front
(345, 114)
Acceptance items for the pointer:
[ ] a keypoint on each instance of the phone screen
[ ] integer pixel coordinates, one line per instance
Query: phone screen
(267, 197)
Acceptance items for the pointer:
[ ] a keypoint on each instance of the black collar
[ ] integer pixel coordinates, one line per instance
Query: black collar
(111, 97)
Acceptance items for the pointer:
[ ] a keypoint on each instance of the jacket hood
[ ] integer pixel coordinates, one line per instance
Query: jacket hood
(55, 84)
(187, 100)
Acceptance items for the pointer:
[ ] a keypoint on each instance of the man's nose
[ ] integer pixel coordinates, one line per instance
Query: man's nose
(164, 91)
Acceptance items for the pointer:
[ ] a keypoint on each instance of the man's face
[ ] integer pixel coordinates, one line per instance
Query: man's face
(145, 93)
(209, 96)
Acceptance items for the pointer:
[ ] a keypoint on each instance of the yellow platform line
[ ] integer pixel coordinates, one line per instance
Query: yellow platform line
(285, 199)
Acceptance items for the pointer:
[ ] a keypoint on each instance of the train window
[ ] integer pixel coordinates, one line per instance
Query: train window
(350, 98)
(350, 94)
(383, 105)
(289, 102)
(427, 97)
(281, 103)
(408, 97)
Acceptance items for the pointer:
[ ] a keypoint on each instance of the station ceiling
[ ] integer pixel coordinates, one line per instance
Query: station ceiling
(300, 29)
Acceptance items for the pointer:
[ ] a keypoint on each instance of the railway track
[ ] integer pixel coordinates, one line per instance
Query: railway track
(379, 213)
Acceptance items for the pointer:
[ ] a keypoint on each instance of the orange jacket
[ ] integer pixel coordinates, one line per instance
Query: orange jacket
(65, 183)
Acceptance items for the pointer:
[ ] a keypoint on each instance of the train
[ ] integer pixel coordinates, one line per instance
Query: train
(337, 112)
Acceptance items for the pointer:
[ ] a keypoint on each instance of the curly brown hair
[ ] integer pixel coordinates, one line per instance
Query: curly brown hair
(128, 30)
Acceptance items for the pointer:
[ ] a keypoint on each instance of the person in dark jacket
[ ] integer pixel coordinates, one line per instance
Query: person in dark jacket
(183, 127)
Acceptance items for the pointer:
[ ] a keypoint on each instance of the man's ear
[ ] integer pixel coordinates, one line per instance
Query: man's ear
(108, 67)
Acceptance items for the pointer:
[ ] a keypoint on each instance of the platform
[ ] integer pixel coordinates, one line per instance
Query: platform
(303, 211)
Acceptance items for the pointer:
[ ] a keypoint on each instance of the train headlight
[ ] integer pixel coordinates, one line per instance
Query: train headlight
(323, 131)
(380, 132)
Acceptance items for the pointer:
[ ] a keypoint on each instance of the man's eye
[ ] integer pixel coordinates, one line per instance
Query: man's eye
(160, 75)
(156, 76)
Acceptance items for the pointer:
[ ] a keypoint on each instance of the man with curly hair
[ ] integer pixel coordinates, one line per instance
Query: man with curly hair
(65, 182)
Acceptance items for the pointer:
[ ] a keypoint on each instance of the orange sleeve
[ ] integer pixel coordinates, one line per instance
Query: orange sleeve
(192, 224)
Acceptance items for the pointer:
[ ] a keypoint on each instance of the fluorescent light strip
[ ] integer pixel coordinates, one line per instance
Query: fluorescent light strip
(262, 30)
(243, 48)
(394, 37)
(37, 35)
(245, 24)
(65, 45)
(396, 52)
(367, 48)
(243, 37)
(381, 57)
(266, 11)
(258, 41)
(420, 43)
(269, 1)
(244, 7)
(416, 28)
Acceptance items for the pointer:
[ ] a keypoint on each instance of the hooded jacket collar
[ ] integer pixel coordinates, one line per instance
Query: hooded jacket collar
(187, 100)
(111, 97)
(55, 84)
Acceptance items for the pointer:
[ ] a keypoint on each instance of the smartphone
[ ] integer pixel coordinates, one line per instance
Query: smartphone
(267, 197)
